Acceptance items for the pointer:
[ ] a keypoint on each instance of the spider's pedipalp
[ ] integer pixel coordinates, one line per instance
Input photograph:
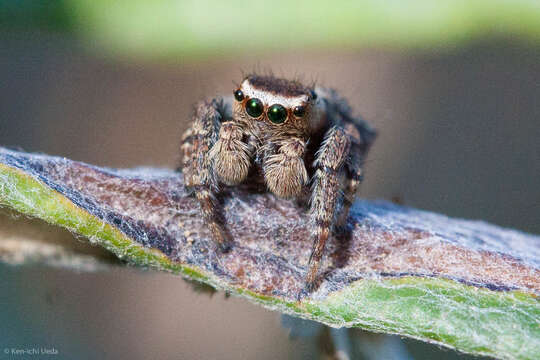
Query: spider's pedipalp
(231, 156)
(284, 171)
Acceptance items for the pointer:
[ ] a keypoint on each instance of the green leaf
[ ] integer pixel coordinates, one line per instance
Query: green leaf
(462, 284)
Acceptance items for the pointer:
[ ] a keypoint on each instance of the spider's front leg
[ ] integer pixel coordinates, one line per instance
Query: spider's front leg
(198, 164)
(326, 196)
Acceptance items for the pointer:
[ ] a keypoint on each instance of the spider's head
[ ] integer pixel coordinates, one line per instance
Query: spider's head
(274, 103)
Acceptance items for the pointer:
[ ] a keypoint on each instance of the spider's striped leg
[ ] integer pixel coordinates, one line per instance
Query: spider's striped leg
(325, 196)
(354, 171)
(197, 165)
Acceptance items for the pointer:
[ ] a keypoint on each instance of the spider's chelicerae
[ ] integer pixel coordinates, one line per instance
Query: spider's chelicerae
(287, 136)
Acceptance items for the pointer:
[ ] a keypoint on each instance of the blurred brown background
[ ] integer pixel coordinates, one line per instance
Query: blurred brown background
(459, 133)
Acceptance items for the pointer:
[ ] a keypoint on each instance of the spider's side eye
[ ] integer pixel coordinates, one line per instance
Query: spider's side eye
(313, 94)
(299, 111)
(239, 95)
(254, 107)
(277, 114)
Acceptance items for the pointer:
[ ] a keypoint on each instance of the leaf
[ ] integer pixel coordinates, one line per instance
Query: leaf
(463, 284)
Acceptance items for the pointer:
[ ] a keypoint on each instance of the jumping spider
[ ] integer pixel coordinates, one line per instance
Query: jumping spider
(286, 136)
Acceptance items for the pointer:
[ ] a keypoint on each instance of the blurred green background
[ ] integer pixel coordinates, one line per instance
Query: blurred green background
(170, 28)
(452, 86)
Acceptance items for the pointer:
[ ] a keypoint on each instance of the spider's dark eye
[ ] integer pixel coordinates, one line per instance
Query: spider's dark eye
(277, 114)
(313, 94)
(299, 111)
(239, 95)
(254, 107)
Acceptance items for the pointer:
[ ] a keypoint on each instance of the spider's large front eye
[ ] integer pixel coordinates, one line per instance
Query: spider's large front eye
(239, 95)
(277, 114)
(254, 107)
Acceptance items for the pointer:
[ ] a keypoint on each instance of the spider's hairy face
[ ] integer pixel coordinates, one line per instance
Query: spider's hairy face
(270, 106)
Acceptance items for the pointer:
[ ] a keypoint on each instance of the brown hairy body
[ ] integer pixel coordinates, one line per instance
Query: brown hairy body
(286, 136)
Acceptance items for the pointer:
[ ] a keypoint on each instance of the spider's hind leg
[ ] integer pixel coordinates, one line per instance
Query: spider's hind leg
(354, 172)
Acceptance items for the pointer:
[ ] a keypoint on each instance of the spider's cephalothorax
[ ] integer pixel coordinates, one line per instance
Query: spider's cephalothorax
(285, 135)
